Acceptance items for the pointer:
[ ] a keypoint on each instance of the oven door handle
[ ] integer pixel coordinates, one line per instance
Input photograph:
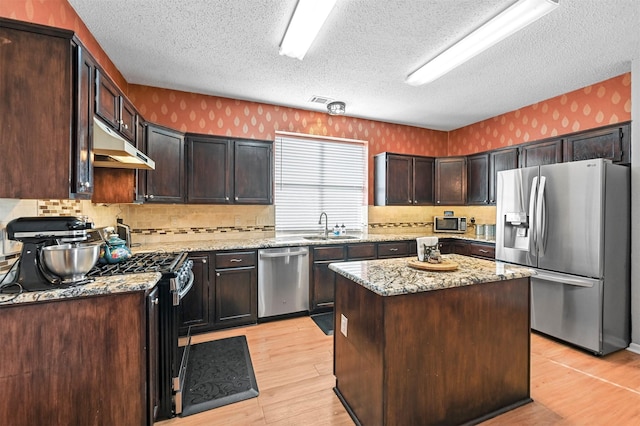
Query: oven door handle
(178, 296)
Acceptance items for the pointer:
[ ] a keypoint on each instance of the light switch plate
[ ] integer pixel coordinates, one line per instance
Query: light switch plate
(343, 324)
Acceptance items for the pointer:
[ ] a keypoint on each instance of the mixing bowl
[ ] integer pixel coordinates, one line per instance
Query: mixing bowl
(70, 262)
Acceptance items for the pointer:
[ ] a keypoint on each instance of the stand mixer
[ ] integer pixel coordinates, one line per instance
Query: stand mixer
(37, 233)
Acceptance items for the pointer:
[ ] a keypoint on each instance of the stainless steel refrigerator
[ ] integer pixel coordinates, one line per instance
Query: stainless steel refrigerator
(571, 223)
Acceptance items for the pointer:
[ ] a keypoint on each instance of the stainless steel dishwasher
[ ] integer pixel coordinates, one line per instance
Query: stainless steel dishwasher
(283, 281)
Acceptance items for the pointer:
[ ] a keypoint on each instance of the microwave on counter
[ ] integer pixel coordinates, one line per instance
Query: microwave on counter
(449, 224)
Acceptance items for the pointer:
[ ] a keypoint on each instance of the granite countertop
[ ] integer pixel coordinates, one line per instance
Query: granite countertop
(392, 277)
(249, 243)
(100, 286)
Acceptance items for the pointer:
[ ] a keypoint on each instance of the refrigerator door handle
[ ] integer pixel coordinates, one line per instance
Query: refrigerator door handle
(532, 206)
(541, 220)
(563, 279)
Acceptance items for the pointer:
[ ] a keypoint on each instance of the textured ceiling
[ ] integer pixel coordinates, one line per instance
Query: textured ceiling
(364, 52)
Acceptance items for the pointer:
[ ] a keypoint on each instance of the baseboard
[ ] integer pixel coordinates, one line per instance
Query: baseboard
(634, 347)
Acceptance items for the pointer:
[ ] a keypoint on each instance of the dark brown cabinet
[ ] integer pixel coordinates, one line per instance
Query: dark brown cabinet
(612, 143)
(478, 179)
(393, 249)
(362, 251)
(197, 306)
(114, 108)
(165, 184)
(153, 354)
(541, 153)
(451, 181)
(236, 289)
(46, 106)
(403, 180)
(227, 171)
(322, 278)
(467, 248)
(499, 160)
(484, 250)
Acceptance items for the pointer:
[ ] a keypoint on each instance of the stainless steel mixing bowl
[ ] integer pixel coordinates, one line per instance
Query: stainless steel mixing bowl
(70, 262)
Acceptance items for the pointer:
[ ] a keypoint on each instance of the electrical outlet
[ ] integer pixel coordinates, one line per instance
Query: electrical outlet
(343, 324)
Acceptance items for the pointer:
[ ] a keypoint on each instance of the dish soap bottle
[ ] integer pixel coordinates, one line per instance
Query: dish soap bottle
(336, 230)
(343, 230)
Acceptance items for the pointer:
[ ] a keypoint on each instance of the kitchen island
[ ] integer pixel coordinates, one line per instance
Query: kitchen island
(419, 347)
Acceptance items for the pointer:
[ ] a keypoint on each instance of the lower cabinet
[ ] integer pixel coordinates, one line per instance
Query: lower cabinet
(322, 278)
(467, 248)
(236, 289)
(393, 249)
(224, 293)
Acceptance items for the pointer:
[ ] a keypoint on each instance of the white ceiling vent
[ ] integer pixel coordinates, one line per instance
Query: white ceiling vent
(320, 100)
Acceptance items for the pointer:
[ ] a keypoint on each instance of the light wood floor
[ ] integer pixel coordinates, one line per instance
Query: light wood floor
(293, 363)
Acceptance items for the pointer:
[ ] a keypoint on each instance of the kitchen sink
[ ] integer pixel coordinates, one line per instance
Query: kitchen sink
(330, 237)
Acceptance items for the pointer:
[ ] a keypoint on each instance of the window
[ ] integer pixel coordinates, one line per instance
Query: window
(315, 175)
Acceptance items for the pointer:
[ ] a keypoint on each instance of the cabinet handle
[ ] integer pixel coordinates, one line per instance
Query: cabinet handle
(217, 274)
(151, 196)
(226, 198)
(393, 249)
(155, 301)
(483, 251)
(236, 198)
(437, 202)
(125, 126)
(235, 260)
(204, 260)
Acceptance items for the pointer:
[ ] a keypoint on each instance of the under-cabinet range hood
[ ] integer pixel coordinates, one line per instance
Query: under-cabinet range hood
(111, 150)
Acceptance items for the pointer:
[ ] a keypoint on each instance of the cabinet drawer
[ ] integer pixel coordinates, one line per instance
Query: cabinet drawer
(396, 249)
(482, 250)
(328, 253)
(361, 251)
(236, 259)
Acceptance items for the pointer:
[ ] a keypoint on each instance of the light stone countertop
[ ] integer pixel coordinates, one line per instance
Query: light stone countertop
(100, 286)
(249, 243)
(392, 277)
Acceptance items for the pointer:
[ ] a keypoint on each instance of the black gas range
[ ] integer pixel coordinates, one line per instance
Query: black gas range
(176, 281)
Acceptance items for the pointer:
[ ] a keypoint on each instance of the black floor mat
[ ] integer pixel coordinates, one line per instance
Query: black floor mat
(325, 322)
(219, 372)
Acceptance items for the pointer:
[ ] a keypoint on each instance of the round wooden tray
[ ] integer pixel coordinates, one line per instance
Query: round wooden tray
(446, 265)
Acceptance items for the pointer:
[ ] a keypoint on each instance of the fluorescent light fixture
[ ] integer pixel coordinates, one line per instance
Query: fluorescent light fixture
(304, 26)
(336, 108)
(512, 19)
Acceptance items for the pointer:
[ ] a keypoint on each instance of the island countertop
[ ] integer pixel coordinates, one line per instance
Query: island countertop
(392, 277)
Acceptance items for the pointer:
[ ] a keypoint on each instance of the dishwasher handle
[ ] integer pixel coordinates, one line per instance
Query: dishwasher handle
(264, 255)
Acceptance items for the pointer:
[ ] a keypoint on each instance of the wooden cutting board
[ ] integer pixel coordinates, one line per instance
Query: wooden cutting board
(446, 265)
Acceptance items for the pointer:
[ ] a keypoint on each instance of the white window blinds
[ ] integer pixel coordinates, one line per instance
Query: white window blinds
(319, 175)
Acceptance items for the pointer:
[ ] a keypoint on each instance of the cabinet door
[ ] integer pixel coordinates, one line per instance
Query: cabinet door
(323, 283)
(505, 159)
(451, 181)
(107, 100)
(538, 154)
(165, 184)
(423, 169)
(609, 143)
(253, 173)
(208, 170)
(478, 179)
(127, 119)
(82, 180)
(35, 97)
(487, 251)
(399, 180)
(140, 178)
(393, 249)
(196, 306)
(236, 297)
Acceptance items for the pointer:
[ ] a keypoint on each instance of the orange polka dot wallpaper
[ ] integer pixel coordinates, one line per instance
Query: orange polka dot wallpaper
(607, 102)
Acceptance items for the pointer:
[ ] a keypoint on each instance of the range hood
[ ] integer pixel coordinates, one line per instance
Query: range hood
(111, 150)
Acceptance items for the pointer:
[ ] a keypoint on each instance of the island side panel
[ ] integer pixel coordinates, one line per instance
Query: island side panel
(358, 361)
(74, 361)
(455, 355)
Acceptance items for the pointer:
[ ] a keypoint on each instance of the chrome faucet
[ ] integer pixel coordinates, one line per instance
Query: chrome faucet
(326, 224)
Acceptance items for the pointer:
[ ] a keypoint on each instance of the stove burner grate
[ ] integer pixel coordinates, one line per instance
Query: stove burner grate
(138, 263)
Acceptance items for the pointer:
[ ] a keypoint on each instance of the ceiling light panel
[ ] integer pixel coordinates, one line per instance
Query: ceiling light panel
(304, 26)
(511, 20)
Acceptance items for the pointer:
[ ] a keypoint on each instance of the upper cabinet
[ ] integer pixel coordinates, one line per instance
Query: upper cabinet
(229, 171)
(114, 108)
(451, 181)
(46, 113)
(499, 160)
(541, 153)
(165, 184)
(611, 142)
(403, 180)
(478, 179)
